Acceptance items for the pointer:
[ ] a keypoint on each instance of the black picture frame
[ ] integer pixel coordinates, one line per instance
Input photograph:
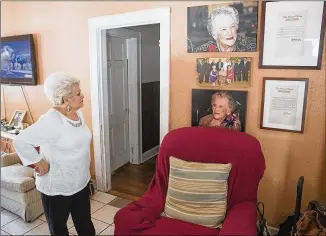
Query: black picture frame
(261, 65)
(304, 103)
(201, 105)
(32, 67)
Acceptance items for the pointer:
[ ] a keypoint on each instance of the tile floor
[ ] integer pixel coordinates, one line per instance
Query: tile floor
(103, 208)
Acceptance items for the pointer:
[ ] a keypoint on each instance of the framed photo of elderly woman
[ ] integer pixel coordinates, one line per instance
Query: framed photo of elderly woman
(224, 72)
(292, 35)
(284, 104)
(223, 27)
(219, 109)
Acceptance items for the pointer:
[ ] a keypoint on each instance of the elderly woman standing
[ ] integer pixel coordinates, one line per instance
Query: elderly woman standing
(222, 25)
(63, 165)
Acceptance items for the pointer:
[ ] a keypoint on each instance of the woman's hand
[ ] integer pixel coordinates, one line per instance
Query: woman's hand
(42, 167)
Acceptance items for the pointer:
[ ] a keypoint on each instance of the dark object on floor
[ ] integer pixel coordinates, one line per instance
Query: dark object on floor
(91, 188)
(261, 224)
(288, 227)
(312, 221)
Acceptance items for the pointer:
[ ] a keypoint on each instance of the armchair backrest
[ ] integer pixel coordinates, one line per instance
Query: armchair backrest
(217, 145)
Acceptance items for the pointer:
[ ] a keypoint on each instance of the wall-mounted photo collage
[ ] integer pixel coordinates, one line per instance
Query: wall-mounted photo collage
(227, 32)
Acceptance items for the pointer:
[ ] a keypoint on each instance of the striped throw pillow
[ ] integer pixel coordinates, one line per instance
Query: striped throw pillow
(197, 192)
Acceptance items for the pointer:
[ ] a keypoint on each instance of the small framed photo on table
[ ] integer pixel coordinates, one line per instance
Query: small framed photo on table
(292, 35)
(284, 104)
(17, 118)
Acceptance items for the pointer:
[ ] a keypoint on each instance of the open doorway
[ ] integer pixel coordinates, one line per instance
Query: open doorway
(133, 73)
(109, 142)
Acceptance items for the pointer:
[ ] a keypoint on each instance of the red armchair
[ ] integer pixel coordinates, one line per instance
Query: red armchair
(207, 145)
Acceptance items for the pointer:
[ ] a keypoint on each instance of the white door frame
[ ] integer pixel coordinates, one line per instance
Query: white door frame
(96, 26)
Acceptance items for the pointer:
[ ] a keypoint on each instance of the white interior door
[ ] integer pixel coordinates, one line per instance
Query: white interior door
(117, 64)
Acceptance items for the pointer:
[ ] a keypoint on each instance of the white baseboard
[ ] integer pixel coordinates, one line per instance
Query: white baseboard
(150, 153)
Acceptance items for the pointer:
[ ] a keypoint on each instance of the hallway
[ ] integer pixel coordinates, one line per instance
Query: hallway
(131, 181)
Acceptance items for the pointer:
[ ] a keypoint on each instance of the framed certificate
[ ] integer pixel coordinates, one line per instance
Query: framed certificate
(284, 104)
(292, 35)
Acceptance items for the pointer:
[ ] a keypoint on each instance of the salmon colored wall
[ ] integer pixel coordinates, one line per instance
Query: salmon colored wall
(61, 34)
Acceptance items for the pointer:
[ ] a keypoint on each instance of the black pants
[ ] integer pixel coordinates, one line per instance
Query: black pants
(245, 76)
(207, 77)
(236, 77)
(57, 209)
(200, 77)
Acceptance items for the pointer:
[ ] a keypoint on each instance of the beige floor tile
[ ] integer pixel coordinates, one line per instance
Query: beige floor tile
(42, 217)
(108, 231)
(42, 229)
(20, 227)
(119, 202)
(70, 223)
(103, 197)
(95, 205)
(106, 214)
(4, 233)
(99, 227)
(7, 216)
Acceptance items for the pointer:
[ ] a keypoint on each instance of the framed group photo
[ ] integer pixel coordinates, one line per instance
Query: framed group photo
(223, 27)
(284, 104)
(292, 35)
(227, 72)
(219, 109)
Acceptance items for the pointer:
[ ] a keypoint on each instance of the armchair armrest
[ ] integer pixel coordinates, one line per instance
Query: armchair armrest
(240, 220)
(136, 216)
(9, 159)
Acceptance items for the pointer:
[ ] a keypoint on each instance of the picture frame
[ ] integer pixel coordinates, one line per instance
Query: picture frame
(227, 72)
(223, 27)
(17, 119)
(292, 39)
(219, 108)
(283, 106)
(18, 62)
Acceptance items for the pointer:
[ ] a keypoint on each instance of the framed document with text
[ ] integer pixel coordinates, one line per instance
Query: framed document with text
(292, 35)
(284, 104)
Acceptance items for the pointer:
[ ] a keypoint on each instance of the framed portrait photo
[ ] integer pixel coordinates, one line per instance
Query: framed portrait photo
(17, 118)
(224, 72)
(292, 35)
(284, 104)
(219, 109)
(223, 27)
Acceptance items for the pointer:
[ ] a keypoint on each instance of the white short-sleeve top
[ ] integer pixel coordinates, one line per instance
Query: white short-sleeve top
(64, 146)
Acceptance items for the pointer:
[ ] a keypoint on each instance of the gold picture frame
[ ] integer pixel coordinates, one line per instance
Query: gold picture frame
(17, 118)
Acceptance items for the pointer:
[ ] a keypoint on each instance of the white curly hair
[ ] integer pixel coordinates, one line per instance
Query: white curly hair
(221, 10)
(58, 86)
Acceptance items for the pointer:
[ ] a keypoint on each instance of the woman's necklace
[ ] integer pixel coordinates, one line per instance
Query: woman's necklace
(75, 124)
(69, 121)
